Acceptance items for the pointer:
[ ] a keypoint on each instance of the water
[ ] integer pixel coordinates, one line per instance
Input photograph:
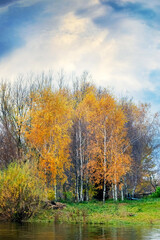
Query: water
(30, 231)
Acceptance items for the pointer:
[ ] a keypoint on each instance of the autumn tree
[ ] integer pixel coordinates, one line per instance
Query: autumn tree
(119, 157)
(47, 132)
(13, 108)
(109, 143)
(79, 144)
(142, 132)
(108, 160)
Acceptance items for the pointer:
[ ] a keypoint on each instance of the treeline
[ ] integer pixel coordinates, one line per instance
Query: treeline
(83, 141)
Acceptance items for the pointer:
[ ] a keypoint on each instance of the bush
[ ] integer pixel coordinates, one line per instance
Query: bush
(157, 193)
(21, 192)
(50, 194)
(68, 196)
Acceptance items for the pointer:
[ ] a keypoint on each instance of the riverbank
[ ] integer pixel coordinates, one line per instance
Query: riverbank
(141, 212)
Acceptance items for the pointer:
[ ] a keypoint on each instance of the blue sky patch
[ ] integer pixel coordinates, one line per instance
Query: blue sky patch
(13, 21)
(7, 2)
(151, 97)
(129, 9)
(155, 77)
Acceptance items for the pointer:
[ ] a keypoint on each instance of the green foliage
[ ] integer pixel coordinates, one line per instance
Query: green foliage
(68, 196)
(21, 192)
(157, 193)
(144, 212)
(92, 192)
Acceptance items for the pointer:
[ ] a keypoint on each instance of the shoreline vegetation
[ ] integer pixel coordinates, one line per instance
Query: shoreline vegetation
(141, 212)
(76, 144)
(25, 198)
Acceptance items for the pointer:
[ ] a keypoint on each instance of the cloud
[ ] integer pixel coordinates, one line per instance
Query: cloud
(146, 13)
(119, 51)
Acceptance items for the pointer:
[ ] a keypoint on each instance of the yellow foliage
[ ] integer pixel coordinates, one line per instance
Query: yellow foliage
(21, 192)
(47, 131)
(109, 158)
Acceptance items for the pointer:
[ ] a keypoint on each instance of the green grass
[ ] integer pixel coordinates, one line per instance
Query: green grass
(142, 212)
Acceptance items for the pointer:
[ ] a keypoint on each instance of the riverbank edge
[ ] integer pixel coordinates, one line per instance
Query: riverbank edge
(142, 212)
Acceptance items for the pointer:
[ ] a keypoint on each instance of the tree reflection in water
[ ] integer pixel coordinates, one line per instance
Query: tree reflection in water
(41, 231)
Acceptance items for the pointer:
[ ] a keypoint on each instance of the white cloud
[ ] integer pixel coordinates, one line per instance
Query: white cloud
(120, 56)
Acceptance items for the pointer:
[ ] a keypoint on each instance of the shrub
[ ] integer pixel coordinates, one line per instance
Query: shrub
(68, 196)
(50, 194)
(21, 192)
(157, 193)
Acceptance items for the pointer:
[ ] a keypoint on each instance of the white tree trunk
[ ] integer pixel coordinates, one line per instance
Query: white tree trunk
(77, 190)
(115, 189)
(122, 194)
(134, 187)
(113, 195)
(77, 169)
(55, 192)
(126, 187)
(81, 162)
(87, 189)
(104, 165)
(87, 175)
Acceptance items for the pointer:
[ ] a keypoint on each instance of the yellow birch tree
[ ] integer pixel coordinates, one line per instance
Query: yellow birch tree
(47, 131)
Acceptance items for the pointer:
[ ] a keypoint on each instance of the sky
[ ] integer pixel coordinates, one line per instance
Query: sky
(116, 41)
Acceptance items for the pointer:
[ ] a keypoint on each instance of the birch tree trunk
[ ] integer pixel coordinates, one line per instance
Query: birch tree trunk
(122, 194)
(113, 195)
(87, 188)
(77, 189)
(87, 182)
(115, 180)
(126, 187)
(134, 187)
(81, 162)
(87, 176)
(115, 189)
(55, 192)
(104, 165)
(77, 169)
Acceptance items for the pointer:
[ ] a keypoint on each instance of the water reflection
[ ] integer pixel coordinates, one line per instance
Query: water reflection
(75, 232)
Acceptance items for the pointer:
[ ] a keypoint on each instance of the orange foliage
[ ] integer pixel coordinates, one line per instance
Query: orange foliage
(47, 131)
(106, 125)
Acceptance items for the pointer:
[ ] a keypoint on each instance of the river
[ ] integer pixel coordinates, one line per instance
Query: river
(39, 231)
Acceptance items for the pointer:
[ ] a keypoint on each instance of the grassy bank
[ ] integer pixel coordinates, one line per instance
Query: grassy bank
(144, 212)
